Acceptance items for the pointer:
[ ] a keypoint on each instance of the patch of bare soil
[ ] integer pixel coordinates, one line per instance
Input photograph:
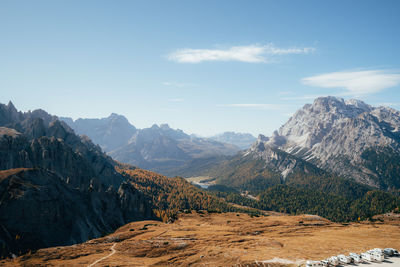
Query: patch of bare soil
(229, 239)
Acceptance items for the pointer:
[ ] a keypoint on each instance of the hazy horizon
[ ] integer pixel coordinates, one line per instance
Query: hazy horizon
(204, 67)
(176, 128)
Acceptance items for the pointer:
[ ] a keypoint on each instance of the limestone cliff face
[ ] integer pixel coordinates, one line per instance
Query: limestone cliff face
(344, 137)
(278, 160)
(38, 209)
(57, 188)
(77, 166)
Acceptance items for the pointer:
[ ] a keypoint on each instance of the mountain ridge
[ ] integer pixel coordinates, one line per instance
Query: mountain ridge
(241, 140)
(333, 134)
(332, 137)
(157, 148)
(58, 188)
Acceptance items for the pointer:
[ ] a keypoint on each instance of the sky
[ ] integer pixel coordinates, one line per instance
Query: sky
(201, 66)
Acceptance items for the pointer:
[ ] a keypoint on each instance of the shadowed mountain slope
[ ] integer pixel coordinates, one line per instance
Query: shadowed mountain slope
(57, 188)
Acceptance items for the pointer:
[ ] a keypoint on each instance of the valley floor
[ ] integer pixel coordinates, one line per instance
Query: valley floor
(229, 239)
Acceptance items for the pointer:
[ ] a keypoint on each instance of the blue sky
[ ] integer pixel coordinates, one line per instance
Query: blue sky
(202, 66)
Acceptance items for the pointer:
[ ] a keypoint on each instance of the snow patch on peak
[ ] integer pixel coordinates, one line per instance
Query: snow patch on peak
(358, 104)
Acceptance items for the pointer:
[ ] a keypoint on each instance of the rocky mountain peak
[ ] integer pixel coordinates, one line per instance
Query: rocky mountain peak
(111, 132)
(114, 117)
(164, 126)
(11, 106)
(358, 104)
(308, 126)
(9, 114)
(337, 106)
(165, 130)
(262, 137)
(335, 134)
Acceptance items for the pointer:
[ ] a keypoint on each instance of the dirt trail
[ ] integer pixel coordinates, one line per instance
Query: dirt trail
(105, 257)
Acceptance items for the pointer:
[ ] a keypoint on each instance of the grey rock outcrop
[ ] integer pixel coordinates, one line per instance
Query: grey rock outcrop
(110, 133)
(57, 188)
(339, 136)
(278, 160)
(38, 209)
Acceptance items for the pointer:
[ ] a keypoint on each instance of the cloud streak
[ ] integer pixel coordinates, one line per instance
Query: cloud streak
(355, 83)
(248, 54)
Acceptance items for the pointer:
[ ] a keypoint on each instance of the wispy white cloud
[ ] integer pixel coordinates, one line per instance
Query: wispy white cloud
(254, 106)
(249, 54)
(356, 83)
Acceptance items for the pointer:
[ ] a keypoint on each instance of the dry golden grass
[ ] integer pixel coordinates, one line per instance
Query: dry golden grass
(229, 239)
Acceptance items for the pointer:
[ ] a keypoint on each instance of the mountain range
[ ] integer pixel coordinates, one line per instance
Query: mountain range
(345, 138)
(339, 159)
(331, 137)
(241, 140)
(58, 188)
(158, 148)
(110, 133)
